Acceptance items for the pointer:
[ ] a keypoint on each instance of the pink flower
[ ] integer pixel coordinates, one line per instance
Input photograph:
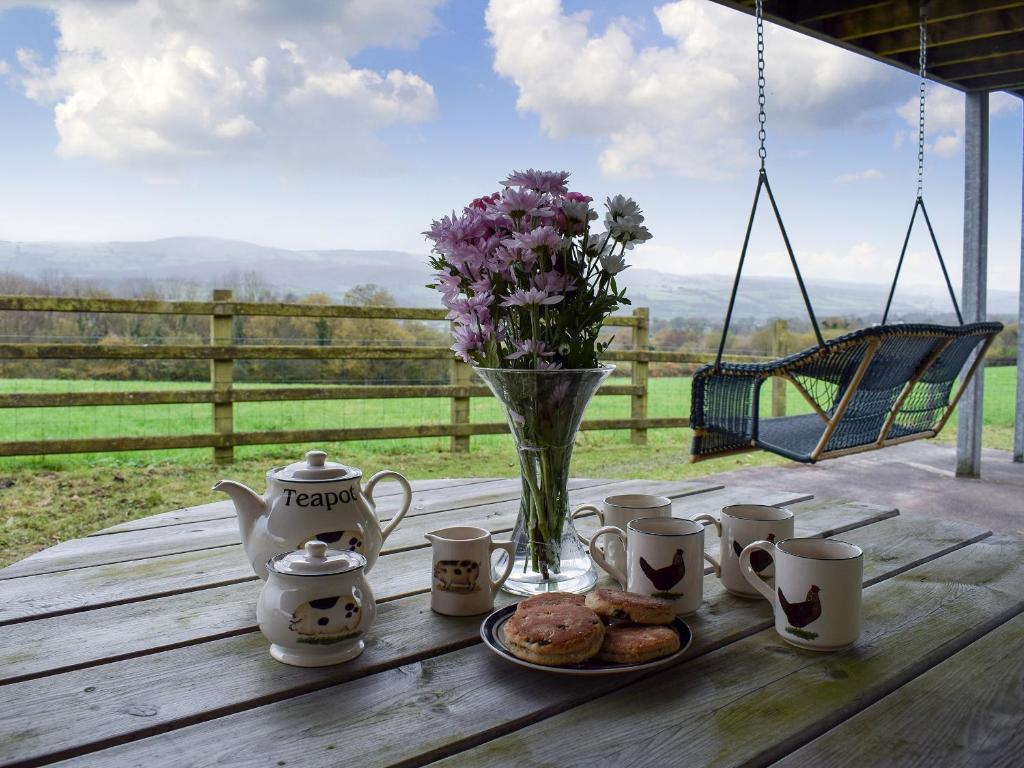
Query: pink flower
(530, 347)
(553, 282)
(467, 341)
(539, 181)
(578, 197)
(548, 365)
(536, 239)
(531, 297)
(519, 203)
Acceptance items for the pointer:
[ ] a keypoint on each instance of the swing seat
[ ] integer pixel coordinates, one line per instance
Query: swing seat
(868, 389)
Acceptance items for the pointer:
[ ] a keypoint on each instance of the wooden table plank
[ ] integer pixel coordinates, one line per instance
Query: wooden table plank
(160, 542)
(761, 697)
(36, 646)
(461, 698)
(967, 711)
(47, 594)
(205, 512)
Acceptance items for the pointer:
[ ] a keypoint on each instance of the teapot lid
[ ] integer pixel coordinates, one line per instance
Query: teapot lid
(315, 559)
(316, 467)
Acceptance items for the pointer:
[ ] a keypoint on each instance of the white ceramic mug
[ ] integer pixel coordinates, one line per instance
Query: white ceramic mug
(618, 511)
(738, 526)
(461, 583)
(817, 595)
(664, 558)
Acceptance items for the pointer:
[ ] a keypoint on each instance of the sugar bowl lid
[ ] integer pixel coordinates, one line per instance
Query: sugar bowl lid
(316, 467)
(315, 559)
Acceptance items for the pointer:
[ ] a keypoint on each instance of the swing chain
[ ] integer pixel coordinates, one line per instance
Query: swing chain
(759, 15)
(922, 71)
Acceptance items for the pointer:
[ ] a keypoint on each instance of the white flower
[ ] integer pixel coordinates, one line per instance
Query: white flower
(612, 263)
(620, 206)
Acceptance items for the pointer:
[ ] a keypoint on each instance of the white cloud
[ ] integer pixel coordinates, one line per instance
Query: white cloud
(869, 174)
(4, 67)
(944, 117)
(687, 107)
(156, 82)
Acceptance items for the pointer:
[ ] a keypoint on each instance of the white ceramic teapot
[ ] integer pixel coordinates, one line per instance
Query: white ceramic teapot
(316, 606)
(312, 499)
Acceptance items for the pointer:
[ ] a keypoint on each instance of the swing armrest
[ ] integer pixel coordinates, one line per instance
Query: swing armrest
(724, 416)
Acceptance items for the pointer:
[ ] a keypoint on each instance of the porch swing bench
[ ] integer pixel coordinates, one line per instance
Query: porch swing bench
(879, 386)
(868, 389)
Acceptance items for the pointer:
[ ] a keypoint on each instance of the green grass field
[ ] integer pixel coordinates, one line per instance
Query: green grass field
(44, 500)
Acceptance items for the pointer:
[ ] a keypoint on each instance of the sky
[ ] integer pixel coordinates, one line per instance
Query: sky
(354, 123)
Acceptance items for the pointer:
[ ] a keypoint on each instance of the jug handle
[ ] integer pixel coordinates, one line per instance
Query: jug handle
(406, 500)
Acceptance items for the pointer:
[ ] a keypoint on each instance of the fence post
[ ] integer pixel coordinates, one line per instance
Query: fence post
(222, 373)
(460, 375)
(638, 405)
(779, 329)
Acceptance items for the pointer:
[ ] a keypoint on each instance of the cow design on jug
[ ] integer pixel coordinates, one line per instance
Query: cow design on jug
(457, 575)
(326, 620)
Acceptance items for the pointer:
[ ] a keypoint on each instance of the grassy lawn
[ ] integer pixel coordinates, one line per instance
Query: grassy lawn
(45, 500)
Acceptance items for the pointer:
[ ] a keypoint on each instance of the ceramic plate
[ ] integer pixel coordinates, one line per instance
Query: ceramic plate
(493, 636)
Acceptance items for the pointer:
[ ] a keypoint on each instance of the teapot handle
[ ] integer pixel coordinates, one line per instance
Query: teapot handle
(406, 500)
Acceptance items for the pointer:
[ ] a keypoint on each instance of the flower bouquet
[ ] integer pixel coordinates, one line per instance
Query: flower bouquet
(528, 287)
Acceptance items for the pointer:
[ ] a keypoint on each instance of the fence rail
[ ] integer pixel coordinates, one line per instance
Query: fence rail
(223, 393)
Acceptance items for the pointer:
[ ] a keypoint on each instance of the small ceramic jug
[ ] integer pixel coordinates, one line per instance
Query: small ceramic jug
(461, 583)
(316, 606)
(817, 595)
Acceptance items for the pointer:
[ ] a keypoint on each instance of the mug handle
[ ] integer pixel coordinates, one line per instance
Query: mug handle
(509, 547)
(576, 513)
(598, 556)
(406, 498)
(755, 581)
(710, 520)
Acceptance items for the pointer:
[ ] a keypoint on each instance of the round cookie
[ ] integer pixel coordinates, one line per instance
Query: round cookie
(554, 635)
(637, 643)
(549, 599)
(639, 609)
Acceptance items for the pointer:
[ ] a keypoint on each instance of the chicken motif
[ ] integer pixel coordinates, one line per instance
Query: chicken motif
(667, 577)
(802, 614)
(759, 559)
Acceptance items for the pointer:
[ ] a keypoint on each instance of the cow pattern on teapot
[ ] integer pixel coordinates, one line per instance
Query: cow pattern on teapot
(346, 540)
(326, 620)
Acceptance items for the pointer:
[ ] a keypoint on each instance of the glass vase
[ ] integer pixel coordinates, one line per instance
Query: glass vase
(544, 410)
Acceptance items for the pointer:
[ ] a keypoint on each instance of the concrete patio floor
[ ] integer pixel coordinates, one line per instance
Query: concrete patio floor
(918, 478)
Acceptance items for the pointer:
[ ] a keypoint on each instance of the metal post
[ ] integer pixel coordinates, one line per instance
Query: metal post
(1018, 417)
(638, 405)
(222, 373)
(969, 422)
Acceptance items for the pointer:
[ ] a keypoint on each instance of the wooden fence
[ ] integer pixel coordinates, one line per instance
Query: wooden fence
(222, 353)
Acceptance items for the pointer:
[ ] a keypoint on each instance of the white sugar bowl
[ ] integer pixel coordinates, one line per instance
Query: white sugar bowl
(316, 606)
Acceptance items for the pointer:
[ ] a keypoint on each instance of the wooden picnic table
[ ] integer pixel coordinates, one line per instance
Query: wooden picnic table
(137, 645)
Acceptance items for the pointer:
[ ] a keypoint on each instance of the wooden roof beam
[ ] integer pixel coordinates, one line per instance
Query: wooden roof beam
(993, 65)
(903, 15)
(1007, 81)
(981, 26)
(963, 53)
(804, 11)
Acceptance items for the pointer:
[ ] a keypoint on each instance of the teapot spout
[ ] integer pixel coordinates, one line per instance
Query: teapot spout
(249, 505)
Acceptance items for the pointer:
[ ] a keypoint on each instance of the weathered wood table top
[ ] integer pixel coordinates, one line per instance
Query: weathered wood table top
(137, 646)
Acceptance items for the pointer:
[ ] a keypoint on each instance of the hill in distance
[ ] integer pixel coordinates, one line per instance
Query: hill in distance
(209, 261)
